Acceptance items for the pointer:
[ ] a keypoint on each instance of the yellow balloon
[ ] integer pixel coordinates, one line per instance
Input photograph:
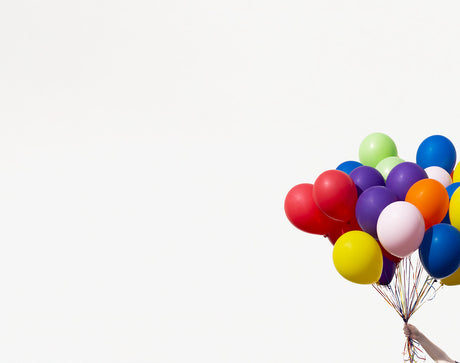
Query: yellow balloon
(456, 174)
(453, 279)
(358, 258)
(454, 209)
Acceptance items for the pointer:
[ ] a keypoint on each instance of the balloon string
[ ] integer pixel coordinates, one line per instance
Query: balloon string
(409, 289)
(412, 352)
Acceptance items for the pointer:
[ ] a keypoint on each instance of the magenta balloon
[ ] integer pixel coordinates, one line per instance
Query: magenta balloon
(369, 206)
(403, 176)
(365, 177)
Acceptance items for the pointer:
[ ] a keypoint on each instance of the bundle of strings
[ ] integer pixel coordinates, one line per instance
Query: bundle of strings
(409, 289)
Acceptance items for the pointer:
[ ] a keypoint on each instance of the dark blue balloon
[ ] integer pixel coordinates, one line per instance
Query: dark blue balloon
(388, 271)
(348, 166)
(437, 150)
(450, 190)
(440, 250)
(365, 177)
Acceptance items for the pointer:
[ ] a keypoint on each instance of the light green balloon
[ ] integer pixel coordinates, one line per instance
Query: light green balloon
(376, 147)
(385, 165)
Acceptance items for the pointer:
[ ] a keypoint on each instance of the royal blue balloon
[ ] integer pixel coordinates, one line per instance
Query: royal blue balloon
(440, 250)
(369, 206)
(403, 176)
(437, 150)
(348, 166)
(365, 177)
(388, 271)
(450, 190)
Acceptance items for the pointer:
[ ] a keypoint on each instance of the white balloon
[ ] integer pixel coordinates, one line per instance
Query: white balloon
(439, 174)
(400, 228)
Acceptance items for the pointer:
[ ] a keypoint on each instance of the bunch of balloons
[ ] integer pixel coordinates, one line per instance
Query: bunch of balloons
(382, 209)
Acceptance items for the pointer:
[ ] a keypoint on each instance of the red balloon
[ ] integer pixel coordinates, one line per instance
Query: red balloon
(303, 213)
(388, 255)
(334, 234)
(352, 225)
(335, 193)
(341, 228)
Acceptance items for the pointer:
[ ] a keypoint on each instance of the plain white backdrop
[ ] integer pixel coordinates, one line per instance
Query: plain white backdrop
(146, 148)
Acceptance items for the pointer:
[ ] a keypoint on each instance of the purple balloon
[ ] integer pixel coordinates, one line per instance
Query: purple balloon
(388, 271)
(365, 177)
(369, 206)
(403, 176)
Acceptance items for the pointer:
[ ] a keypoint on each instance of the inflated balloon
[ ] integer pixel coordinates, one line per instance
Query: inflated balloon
(341, 228)
(437, 150)
(389, 256)
(450, 191)
(400, 228)
(439, 174)
(369, 206)
(388, 271)
(334, 234)
(452, 280)
(403, 176)
(357, 257)
(365, 177)
(452, 188)
(335, 194)
(454, 209)
(303, 213)
(456, 174)
(387, 164)
(376, 147)
(440, 250)
(352, 225)
(431, 199)
(383, 201)
(348, 166)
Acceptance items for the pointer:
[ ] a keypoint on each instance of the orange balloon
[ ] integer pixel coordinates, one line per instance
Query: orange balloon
(431, 199)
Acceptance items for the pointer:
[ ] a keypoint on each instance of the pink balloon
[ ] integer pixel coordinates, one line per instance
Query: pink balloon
(439, 174)
(400, 228)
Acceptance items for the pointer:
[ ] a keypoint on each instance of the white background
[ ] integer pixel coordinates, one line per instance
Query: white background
(146, 148)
